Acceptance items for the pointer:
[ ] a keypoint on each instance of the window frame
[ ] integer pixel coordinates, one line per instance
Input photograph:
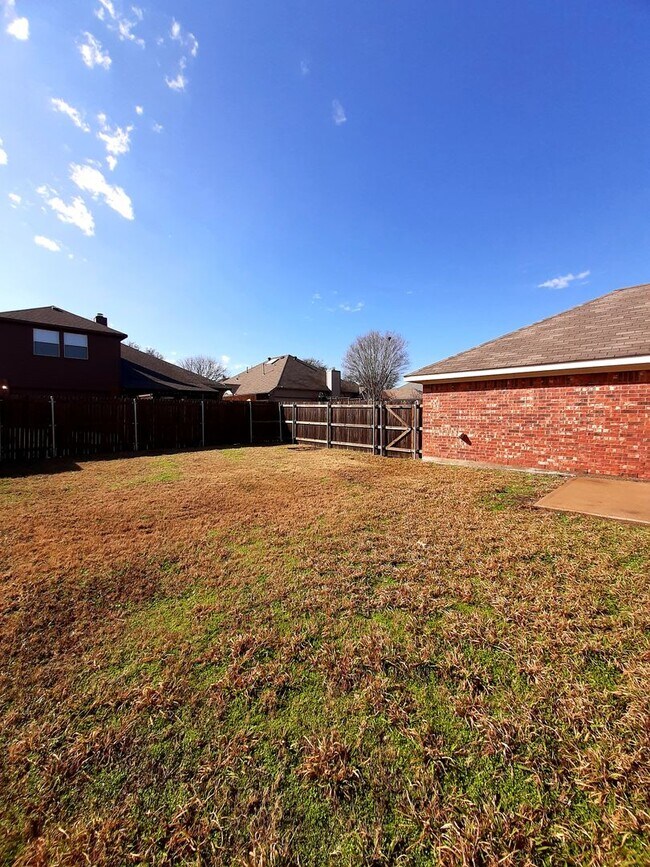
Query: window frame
(51, 331)
(80, 345)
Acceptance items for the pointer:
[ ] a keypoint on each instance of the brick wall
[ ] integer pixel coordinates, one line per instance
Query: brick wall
(586, 423)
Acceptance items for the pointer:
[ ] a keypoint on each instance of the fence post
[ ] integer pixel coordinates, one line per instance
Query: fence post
(250, 421)
(414, 415)
(135, 423)
(374, 427)
(281, 421)
(294, 426)
(0, 431)
(203, 424)
(329, 425)
(382, 449)
(53, 428)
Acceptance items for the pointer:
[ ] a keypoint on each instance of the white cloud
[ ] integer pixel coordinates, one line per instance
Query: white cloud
(46, 243)
(105, 6)
(74, 115)
(15, 199)
(157, 127)
(139, 109)
(190, 45)
(120, 23)
(563, 282)
(76, 213)
(93, 54)
(352, 308)
(180, 81)
(305, 68)
(185, 38)
(116, 139)
(4, 159)
(225, 359)
(92, 181)
(17, 27)
(338, 113)
(316, 296)
(124, 28)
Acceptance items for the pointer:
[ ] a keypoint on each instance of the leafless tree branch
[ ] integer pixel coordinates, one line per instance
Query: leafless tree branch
(376, 361)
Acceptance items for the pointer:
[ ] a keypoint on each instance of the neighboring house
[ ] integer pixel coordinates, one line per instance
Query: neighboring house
(570, 393)
(46, 349)
(287, 378)
(49, 350)
(145, 374)
(409, 391)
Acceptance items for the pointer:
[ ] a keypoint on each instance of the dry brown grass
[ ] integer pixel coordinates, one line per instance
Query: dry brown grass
(279, 656)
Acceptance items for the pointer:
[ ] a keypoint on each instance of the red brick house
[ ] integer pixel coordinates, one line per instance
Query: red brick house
(568, 394)
(47, 350)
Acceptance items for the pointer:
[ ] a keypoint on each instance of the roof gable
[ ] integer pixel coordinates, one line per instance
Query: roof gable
(616, 325)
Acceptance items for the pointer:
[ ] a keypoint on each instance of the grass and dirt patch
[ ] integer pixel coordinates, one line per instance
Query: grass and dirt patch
(277, 656)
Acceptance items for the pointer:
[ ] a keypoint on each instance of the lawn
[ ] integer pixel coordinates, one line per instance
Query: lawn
(285, 656)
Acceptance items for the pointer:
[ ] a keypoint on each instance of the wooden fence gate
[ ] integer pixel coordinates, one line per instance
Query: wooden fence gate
(388, 429)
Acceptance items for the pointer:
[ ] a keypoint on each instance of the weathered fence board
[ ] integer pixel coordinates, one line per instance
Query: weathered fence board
(388, 429)
(33, 428)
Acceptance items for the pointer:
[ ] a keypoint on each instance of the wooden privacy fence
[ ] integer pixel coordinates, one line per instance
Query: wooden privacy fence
(33, 428)
(388, 429)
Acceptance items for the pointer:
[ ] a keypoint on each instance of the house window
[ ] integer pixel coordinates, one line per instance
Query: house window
(75, 345)
(46, 342)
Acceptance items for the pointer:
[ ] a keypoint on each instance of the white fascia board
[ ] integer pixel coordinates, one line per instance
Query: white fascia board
(612, 364)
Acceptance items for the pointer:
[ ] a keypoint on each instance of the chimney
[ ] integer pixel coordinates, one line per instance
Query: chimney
(333, 379)
(100, 319)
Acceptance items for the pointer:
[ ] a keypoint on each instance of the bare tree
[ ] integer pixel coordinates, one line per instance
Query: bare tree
(375, 361)
(205, 366)
(315, 362)
(149, 350)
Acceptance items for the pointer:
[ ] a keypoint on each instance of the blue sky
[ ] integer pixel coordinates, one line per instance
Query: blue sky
(246, 178)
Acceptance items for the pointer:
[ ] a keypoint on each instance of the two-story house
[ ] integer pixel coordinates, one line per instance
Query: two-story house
(49, 350)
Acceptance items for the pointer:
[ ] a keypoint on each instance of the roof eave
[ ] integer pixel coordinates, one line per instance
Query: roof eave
(636, 362)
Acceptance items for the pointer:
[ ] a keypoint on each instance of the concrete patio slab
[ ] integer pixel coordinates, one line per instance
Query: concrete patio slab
(621, 499)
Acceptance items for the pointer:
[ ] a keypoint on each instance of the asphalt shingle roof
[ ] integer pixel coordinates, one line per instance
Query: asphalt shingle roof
(616, 325)
(144, 372)
(58, 318)
(285, 371)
